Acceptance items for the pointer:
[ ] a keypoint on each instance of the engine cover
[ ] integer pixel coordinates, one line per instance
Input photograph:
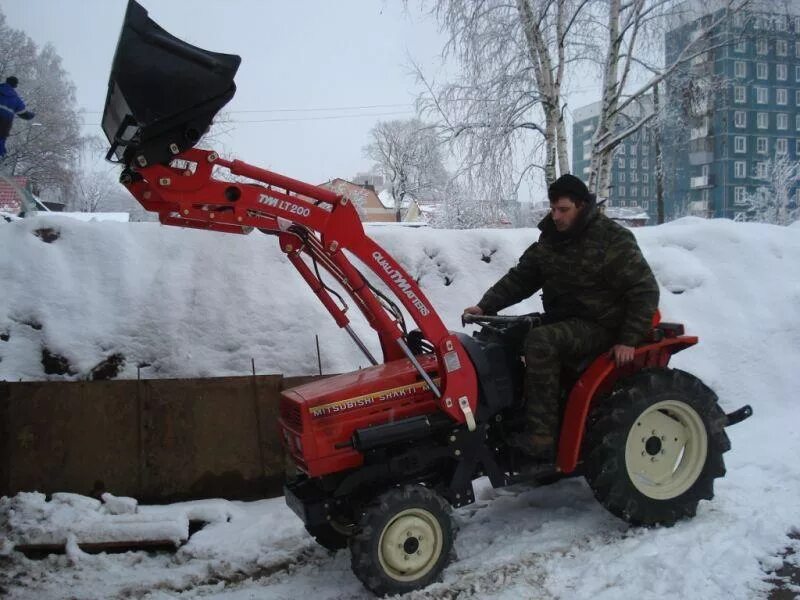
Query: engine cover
(318, 419)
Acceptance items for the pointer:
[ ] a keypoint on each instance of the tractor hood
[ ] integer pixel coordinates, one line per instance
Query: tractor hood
(162, 92)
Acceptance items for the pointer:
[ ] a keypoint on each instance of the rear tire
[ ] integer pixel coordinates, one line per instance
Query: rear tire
(655, 446)
(403, 542)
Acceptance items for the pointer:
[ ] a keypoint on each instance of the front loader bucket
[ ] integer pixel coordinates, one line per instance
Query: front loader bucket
(162, 92)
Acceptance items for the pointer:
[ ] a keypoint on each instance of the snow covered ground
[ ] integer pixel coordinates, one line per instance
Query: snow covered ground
(193, 303)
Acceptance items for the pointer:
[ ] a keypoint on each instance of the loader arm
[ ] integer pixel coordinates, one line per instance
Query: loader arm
(312, 221)
(163, 94)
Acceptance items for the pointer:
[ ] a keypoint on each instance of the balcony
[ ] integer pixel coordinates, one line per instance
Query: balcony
(701, 132)
(701, 151)
(703, 181)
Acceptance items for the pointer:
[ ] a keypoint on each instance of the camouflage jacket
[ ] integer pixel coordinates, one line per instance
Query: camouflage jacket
(596, 273)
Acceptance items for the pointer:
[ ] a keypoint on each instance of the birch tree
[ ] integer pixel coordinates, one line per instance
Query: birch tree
(505, 110)
(408, 154)
(633, 31)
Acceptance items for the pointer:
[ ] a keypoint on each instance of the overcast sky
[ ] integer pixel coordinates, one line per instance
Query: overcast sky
(298, 55)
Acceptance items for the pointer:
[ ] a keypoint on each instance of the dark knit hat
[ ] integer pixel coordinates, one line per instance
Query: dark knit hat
(570, 186)
(12, 81)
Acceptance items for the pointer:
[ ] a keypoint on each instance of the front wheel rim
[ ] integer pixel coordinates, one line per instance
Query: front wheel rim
(666, 449)
(410, 544)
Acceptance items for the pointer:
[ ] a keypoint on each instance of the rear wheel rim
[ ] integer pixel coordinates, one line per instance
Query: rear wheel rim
(410, 545)
(666, 449)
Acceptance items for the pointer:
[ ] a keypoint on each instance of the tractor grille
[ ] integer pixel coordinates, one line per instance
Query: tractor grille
(290, 413)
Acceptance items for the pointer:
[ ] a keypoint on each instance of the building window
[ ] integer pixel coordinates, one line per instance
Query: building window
(781, 72)
(781, 146)
(797, 44)
(738, 19)
(761, 95)
(632, 163)
(761, 46)
(797, 147)
(761, 70)
(588, 127)
(645, 192)
(645, 150)
(622, 176)
(739, 69)
(738, 195)
(645, 163)
(797, 121)
(645, 203)
(740, 169)
(622, 203)
(739, 144)
(741, 46)
(622, 193)
(634, 177)
(781, 47)
(739, 94)
(740, 118)
(621, 149)
(761, 170)
(621, 162)
(645, 178)
(634, 203)
(797, 73)
(761, 145)
(781, 96)
(783, 121)
(780, 23)
(762, 120)
(634, 194)
(633, 149)
(797, 97)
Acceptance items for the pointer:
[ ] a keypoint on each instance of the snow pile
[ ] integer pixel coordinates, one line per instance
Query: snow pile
(28, 518)
(113, 297)
(197, 303)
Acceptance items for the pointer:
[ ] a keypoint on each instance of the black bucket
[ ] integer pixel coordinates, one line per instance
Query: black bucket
(163, 93)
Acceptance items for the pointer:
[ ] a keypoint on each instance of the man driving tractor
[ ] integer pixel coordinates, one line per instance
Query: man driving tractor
(598, 293)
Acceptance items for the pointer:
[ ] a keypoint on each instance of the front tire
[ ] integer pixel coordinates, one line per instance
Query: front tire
(403, 542)
(655, 446)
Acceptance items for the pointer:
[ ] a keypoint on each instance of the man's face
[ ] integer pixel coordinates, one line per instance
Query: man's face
(564, 212)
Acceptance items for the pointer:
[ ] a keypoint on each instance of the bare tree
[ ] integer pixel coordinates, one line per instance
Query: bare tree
(409, 155)
(44, 150)
(772, 201)
(459, 209)
(634, 30)
(505, 109)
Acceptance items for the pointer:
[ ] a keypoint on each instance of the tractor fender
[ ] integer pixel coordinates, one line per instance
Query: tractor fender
(599, 379)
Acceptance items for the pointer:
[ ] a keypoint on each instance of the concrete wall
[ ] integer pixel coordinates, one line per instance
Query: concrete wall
(155, 440)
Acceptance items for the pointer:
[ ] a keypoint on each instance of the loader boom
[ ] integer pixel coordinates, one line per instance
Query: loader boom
(319, 224)
(163, 94)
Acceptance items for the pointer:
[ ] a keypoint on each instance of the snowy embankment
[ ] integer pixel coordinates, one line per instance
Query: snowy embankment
(194, 303)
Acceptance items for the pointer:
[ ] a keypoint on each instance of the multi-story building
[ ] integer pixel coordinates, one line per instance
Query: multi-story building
(735, 107)
(633, 170)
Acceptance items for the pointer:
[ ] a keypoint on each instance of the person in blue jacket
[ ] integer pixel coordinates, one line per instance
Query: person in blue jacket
(10, 104)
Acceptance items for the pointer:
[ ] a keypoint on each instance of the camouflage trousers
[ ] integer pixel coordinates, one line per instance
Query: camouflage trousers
(547, 348)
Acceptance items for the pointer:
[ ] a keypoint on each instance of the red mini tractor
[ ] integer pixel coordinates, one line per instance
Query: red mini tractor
(384, 452)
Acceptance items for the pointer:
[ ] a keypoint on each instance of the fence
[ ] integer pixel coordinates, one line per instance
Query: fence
(156, 440)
